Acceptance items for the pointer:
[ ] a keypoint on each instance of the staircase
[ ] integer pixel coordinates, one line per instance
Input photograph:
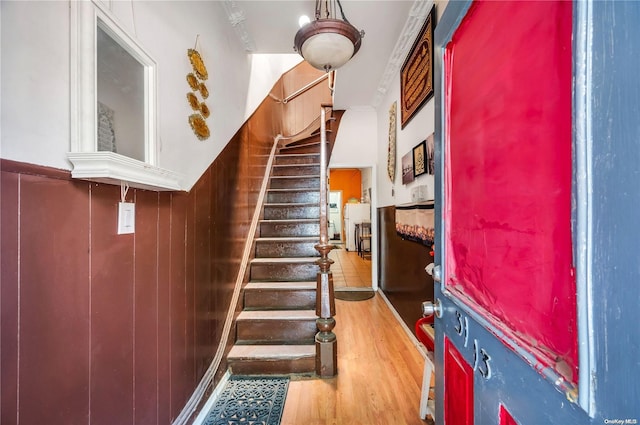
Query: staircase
(275, 331)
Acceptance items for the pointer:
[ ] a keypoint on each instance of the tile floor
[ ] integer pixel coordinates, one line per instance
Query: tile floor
(349, 269)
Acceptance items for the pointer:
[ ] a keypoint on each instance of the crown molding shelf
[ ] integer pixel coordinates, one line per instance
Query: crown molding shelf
(111, 168)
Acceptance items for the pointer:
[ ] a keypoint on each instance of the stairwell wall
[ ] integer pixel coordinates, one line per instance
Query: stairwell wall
(103, 328)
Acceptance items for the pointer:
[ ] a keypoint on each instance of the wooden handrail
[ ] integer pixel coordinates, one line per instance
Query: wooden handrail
(326, 343)
(309, 86)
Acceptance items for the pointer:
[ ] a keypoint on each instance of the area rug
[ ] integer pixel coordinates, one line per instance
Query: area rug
(354, 294)
(250, 400)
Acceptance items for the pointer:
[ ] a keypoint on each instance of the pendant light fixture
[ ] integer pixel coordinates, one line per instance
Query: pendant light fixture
(328, 42)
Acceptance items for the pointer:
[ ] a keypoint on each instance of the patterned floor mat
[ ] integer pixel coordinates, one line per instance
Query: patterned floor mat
(250, 400)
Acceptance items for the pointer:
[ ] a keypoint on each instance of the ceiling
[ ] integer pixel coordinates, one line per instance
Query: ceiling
(390, 28)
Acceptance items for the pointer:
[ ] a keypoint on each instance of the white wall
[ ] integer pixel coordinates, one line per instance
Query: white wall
(356, 139)
(417, 129)
(420, 126)
(36, 90)
(266, 69)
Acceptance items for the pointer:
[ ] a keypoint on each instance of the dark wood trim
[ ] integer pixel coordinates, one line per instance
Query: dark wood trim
(10, 166)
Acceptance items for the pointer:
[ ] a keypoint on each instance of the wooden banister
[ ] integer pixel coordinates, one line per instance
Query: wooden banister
(326, 343)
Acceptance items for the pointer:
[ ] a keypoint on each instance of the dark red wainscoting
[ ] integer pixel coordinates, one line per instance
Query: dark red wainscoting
(119, 329)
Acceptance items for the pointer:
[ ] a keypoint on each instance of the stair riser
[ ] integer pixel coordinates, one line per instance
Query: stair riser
(270, 299)
(275, 331)
(297, 159)
(271, 229)
(305, 365)
(301, 149)
(286, 249)
(290, 212)
(284, 272)
(295, 183)
(299, 197)
(297, 170)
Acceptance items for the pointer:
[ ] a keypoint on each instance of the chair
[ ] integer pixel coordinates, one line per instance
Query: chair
(425, 334)
(363, 237)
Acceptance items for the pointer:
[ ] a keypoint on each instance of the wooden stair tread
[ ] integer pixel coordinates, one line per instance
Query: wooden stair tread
(292, 220)
(305, 176)
(277, 315)
(292, 204)
(289, 239)
(297, 154)
(295, 189)
(281, 285)
(271, 351)
(311, 164)
(284, 260)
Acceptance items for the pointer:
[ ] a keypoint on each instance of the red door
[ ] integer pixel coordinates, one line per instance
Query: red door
(508, 288)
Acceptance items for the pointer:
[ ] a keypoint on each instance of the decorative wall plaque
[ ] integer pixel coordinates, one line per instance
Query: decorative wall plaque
(197, 121)
(198, 64)
(193, 101)
(391, 155)
(416, 75)
(199, 126)
(192, 80)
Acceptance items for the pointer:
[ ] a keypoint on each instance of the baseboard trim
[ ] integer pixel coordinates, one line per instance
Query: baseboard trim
(202, 415)
(408, 331)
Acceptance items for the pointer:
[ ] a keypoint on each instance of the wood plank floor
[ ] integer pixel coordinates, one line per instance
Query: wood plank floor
(379, 373)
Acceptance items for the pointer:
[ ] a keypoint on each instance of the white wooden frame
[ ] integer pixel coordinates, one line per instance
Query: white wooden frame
(88, 162)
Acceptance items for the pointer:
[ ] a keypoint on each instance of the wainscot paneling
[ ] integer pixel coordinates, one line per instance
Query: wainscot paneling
(109, 329)
(401, 269)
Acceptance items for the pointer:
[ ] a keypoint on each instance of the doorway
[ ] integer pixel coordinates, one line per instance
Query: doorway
(336, 234)
(351, 186)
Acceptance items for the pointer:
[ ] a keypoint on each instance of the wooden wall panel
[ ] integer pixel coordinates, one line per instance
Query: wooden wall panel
(190, 289)
(401, 273)
(302, 110)
(112, 305)
(164, 310)
(179, 369)
(54, 301)
(145, 313)
(9, 225)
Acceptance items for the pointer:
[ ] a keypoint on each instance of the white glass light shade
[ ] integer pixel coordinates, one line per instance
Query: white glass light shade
(327, 44)
(327, 50)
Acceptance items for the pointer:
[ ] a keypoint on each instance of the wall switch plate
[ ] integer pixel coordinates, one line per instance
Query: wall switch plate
(126, 218)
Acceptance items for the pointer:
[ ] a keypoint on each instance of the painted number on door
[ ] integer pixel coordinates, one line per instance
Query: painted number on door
(481, 358)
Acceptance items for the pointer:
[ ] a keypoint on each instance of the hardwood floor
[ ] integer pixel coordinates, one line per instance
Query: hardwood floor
(349, 269)
(379, 373)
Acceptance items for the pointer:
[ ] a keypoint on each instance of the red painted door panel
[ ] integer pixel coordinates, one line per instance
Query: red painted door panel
(508, 174)
(458, 401)
(506, 418)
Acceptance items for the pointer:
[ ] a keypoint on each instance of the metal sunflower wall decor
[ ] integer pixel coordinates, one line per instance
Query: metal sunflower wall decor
(195, 80)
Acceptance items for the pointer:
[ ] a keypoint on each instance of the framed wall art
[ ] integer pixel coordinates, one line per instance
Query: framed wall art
(416, 75)
(420, 159)
(430, 155)
(407, 168)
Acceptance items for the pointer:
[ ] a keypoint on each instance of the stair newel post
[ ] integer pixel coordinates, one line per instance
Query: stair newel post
(326, 344)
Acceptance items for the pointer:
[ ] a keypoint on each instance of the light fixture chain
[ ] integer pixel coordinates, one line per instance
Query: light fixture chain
(344, 18)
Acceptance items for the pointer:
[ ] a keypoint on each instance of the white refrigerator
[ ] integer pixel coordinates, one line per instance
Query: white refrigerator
(354, 214)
